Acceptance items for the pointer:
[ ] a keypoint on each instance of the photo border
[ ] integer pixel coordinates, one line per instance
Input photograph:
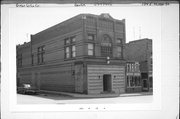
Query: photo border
(7, 76)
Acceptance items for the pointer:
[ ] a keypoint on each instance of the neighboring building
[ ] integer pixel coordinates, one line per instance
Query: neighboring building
(83, 55)
(133, 77)
(24, 64)
(141, 51)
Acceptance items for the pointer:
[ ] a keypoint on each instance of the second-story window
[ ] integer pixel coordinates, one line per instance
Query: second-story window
(106, 46)
(73, 51)
(32, 59)
(90, 37)
(119, 40)
(40, 54)
(67, 41)
(119, 51)
(70, 48)
(67, 52)
(73, 39)
(90, 49)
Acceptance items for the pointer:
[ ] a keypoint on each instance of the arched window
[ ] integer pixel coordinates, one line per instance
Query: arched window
(106, 46)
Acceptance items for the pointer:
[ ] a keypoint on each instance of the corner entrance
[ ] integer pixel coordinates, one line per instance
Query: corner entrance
(107, 83)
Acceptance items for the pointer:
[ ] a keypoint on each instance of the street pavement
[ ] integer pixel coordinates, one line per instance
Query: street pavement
(63, 99)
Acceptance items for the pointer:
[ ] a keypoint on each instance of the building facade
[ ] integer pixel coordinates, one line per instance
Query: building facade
(141, 51)
(83, 54)
(133, 77)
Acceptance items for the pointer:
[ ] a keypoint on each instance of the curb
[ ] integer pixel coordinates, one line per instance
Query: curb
(54, 92)
(75, 95)
(139, 94)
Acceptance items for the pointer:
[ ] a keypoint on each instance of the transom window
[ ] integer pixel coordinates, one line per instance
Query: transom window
(132, 67)
(106, 46)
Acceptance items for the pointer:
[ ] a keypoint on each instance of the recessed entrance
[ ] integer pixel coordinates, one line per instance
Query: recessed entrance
(107, 86)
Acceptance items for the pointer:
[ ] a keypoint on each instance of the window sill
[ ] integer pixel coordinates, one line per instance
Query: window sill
(70, 59)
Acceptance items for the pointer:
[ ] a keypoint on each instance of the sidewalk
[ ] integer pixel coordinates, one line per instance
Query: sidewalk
(76, 95)
(136, 94)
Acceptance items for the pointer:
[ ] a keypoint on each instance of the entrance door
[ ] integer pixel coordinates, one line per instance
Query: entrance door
(145, 85)
(144, 77)
(107, 83)
(79, 78)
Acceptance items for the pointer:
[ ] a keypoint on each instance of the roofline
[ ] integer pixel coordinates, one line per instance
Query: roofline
(26, 44)
(56, 25)
(144, 39)
(70, 19)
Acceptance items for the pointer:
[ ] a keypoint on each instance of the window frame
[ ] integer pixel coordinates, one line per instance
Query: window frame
(67, 39)
(92, 50)
(67, 53)
(92, 35)
(71, 39)
(119, 39)
(106, 46)
(70, 44)
(119, 53)
(40, 55)
(73, 51)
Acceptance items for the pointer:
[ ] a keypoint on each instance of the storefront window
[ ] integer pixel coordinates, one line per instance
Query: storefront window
(133, 81)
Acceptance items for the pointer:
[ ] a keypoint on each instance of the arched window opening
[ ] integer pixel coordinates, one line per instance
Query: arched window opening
(106, 46)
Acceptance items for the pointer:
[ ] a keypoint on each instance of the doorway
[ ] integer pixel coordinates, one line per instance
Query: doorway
(107, 83)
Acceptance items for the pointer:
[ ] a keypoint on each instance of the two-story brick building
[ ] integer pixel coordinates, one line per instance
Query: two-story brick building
(141, 51)
(83, 54)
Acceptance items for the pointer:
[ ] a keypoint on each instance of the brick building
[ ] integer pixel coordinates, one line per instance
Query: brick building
(141, 51)
(83, 54)
(133, 77)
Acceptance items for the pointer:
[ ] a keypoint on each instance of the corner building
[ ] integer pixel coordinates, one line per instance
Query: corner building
(83, 54)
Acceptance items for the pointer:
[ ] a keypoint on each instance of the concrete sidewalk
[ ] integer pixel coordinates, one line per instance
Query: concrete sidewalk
(107, 95)
(136, 94)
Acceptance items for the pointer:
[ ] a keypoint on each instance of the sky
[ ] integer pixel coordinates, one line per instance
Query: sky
(141, 22)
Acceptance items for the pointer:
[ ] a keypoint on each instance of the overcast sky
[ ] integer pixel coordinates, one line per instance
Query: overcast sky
(141, 22)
